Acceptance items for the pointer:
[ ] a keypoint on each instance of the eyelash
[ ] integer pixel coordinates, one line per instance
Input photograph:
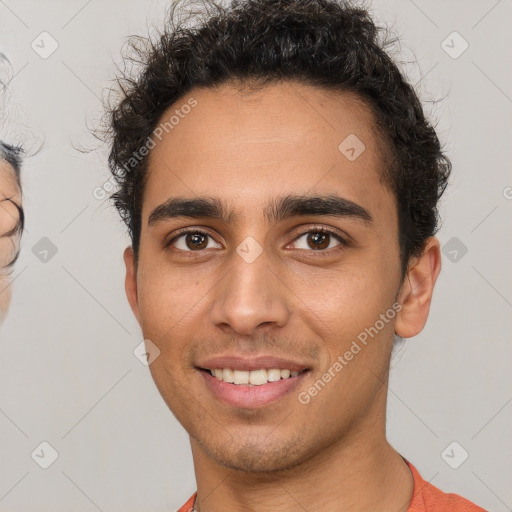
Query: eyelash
(319, 229)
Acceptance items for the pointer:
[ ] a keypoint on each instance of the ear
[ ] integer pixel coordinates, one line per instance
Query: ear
(130, 282)
(417, 289)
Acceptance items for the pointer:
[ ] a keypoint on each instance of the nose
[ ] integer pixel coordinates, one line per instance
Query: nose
(250, 296)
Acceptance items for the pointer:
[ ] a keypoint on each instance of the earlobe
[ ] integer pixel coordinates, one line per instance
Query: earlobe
(416, 293)
(130, 282)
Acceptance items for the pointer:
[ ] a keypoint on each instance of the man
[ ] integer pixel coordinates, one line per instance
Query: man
(280, 185)
(11, 219)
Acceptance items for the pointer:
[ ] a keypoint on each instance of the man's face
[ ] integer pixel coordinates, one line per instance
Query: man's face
(10, 198)
(269, 286)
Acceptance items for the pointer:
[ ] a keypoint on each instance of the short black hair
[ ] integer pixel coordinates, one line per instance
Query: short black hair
(331, 44)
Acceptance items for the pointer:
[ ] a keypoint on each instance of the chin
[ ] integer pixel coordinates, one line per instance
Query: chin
(257, 457)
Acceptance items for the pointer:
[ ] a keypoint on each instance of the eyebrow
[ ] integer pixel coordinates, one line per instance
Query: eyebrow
(277, 209)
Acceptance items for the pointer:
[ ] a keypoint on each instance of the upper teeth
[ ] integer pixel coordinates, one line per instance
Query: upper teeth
(254, 377)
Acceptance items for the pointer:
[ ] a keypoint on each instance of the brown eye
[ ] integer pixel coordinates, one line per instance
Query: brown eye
(318, 240)
(193, 241)
(196, 241)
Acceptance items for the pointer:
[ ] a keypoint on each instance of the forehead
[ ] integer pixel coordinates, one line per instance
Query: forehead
(283, 138)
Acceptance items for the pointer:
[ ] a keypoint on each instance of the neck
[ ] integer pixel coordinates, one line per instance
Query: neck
(361, 474)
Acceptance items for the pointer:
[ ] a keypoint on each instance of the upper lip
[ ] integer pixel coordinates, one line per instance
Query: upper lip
(251, 363)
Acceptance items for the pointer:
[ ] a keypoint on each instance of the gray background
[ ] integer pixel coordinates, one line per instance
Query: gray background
(68, 375)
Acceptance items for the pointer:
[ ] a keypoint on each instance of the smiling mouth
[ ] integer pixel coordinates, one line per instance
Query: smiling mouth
(252, 377)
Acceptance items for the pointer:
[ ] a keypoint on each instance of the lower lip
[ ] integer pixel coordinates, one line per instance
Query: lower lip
(240, 395)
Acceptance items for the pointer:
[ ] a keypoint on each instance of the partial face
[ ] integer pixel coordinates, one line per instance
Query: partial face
(10, 201)
(260, 277)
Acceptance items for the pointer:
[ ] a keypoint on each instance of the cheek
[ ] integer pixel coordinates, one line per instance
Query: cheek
(356, 344)
(351, 295)
(344, 309)
(168, 300)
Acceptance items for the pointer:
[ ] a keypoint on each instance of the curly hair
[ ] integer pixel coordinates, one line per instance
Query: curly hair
(330, 44)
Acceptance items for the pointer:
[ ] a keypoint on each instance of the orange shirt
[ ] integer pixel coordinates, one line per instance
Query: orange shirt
(425, 498)
(428, 498)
